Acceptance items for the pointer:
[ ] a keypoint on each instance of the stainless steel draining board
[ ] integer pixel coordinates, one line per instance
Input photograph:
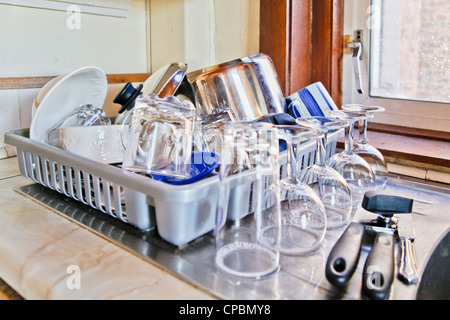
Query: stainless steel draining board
(298, 277)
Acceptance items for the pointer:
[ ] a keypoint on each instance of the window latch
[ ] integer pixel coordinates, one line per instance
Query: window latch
(356, 48)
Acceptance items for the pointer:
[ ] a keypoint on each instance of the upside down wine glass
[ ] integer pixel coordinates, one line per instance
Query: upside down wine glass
(355, 170)
(331, 187)
(303, 216)
(368, 152)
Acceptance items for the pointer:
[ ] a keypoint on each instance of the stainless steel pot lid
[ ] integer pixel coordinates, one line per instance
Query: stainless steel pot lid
(248, 88)
(166, 80)
(170, 80)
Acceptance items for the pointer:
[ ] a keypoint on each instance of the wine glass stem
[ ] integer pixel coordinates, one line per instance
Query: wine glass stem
(291, 166)
(349, 138)
(321, 151)
(363, 131)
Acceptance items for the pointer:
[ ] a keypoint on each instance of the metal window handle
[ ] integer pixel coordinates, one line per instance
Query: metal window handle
(357, 49)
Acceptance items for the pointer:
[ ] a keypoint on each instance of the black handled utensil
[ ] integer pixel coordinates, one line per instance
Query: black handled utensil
(378, 273)
(344, 256)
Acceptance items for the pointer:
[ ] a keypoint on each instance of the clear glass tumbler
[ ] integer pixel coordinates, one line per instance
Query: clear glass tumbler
(208, 132)
(83, 115)
(158, 137)
(249, 247)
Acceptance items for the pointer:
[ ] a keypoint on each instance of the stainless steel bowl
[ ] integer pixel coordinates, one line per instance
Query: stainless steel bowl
(247, 88)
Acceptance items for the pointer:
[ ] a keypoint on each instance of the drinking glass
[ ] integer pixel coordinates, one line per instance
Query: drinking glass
(208, 132)
(331, 187)
(249, 247)
(158, 137)
(355, 170)
(83, 115)
(303, 216)
(368, 152)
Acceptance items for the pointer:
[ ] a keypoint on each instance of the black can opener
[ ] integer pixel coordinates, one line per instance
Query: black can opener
(379, 268)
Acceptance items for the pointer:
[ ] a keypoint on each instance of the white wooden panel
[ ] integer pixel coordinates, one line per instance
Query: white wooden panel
(115, 8)
(199, 33)
(40, 43)
(202, 33)
(236, 29)
(167, 32)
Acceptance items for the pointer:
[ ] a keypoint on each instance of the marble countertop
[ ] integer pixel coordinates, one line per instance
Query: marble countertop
(43, 255)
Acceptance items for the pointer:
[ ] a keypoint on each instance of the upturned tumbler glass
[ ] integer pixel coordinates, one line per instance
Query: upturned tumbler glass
(249, 247)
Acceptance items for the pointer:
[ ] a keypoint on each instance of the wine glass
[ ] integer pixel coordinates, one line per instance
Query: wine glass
(355, 170)
(368, 152)
(331, 187)
(208, 132)
(303, 216)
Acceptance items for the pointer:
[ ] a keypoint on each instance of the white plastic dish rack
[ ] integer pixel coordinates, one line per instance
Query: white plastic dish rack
(181, 213)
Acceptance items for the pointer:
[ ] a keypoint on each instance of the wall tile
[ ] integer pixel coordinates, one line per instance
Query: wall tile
(9, 110)
(407, 171)
(26, 98)
(438, 176)
(3, 153)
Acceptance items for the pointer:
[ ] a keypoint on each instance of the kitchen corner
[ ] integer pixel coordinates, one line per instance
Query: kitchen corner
(42, 252)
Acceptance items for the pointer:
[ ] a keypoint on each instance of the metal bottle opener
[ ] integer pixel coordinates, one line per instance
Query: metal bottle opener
(379, 268)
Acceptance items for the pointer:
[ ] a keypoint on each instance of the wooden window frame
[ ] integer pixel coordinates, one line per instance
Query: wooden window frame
(305, 41)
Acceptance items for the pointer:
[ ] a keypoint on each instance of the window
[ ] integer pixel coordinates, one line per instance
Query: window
(405, 64)
(411, 50)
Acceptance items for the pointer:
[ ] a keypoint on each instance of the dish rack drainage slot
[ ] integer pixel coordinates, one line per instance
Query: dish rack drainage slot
(83, 186)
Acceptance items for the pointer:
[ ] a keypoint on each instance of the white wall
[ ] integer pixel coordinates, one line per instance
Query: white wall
(202, 33)
(37, 42)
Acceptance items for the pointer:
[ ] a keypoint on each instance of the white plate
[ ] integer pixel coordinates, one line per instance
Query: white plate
(60, 96)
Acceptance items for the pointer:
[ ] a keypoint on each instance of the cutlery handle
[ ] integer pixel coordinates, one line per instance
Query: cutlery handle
(378, 273)
(408, 267)
(344, 256)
